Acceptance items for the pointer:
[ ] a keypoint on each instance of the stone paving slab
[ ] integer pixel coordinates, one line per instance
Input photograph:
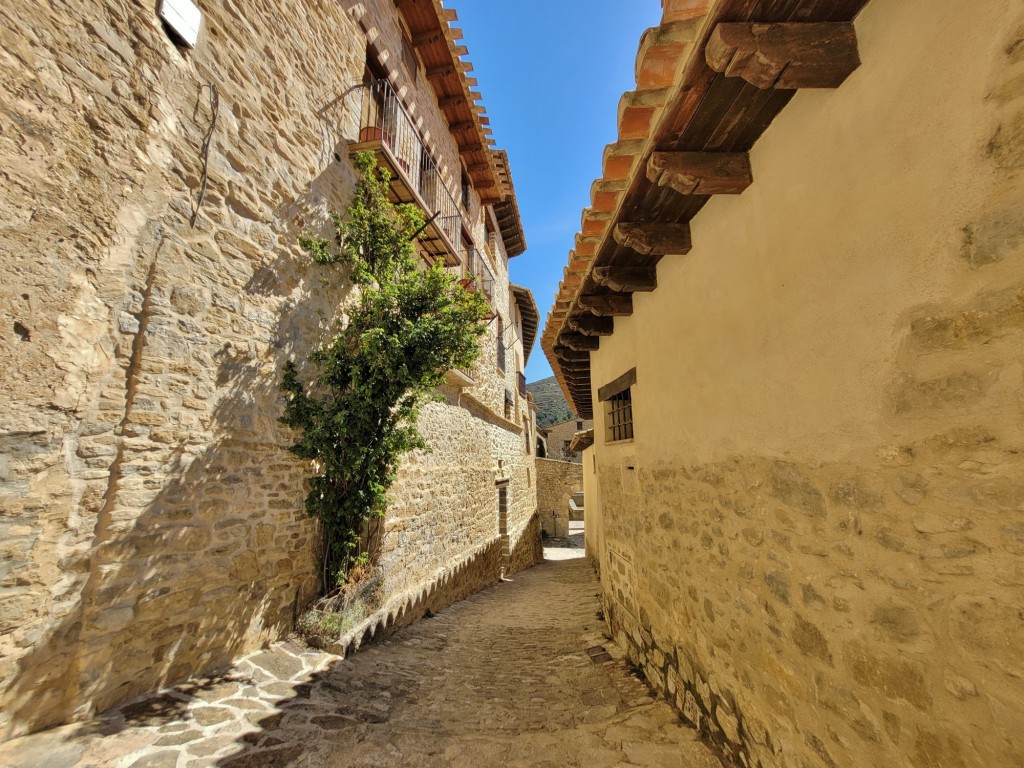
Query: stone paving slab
(504, 678)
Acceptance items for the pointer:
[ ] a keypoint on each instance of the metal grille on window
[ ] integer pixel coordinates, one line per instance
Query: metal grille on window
(620, 416)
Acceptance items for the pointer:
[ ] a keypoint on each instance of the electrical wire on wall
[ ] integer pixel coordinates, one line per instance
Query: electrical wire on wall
(205, 148)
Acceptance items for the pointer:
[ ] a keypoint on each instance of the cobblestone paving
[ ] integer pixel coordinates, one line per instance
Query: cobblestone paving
(501, 679)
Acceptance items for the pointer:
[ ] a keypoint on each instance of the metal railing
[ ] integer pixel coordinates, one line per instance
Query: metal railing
(474, 268)
(486, 278)
(384, 119)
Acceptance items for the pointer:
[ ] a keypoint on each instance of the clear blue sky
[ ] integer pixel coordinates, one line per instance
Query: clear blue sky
(551, 73)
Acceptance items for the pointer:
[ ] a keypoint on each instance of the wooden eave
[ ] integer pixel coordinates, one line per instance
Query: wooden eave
(507, 211)
(436, 43)
(531, 317)
(681, 104)
(582, 440)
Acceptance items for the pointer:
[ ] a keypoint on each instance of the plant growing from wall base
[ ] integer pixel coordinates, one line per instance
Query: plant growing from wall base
(410, 325)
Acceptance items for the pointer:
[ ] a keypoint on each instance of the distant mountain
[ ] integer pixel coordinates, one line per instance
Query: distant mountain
(551, 405)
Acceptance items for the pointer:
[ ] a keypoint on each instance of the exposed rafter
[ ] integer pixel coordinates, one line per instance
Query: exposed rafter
(626, 279)
(591, 325)
(785, 55)
(608, 305)
(652, 238)
(579, 342)
(701, 173)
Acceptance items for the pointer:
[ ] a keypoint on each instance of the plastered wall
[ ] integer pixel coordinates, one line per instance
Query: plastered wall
(151, 522)
(814, 544)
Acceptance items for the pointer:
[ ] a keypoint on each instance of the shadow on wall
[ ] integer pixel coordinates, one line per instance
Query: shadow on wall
(202, 549)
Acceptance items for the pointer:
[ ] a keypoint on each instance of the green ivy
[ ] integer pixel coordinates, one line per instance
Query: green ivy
(410, 326)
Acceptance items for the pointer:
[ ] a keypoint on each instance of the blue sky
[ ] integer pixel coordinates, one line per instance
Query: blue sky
(551, 73)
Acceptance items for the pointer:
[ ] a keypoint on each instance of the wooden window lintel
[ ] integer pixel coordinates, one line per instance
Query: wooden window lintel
(614, 387)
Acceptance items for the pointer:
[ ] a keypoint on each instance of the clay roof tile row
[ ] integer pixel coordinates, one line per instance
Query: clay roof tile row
(661, 58)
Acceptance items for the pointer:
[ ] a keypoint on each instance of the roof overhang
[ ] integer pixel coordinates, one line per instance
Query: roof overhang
(581, 441)
(437, 43)
(507, 211)
(710, 80)
(531, 317)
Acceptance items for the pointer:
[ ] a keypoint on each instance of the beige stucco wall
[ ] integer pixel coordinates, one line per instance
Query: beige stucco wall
(814, 543)
(151, 518)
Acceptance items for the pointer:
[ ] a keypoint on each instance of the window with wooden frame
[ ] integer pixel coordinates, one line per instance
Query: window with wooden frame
(409, 59)
(617, 397)
(501, 345)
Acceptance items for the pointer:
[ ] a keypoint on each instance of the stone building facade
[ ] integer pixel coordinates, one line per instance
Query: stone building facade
(806, 488)
(558, 438)
(152, 520)
(557, 482)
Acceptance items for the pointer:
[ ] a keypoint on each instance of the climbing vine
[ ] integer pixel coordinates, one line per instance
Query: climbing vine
(358, 416)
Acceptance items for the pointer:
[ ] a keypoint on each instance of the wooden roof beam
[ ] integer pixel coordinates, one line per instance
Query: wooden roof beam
(701, 173)
(626, 279)
(614, 305)
(785, 55)
(477, 147)
(591, 325)
(562, 352)
(438, 73)
(452, 101)
(429, 37)
(652, 238)
(579, 342)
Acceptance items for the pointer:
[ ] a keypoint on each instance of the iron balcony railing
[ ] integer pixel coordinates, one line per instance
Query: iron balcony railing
(475, 270)
(384, 119)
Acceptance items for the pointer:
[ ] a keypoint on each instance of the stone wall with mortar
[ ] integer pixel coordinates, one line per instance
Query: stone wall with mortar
(558, 437)
(557, 481)
(814, 546)
(151, 518)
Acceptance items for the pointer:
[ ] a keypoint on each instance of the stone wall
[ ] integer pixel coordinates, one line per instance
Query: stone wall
(557, 481)
(813, 546)
(559, 435)
(152, 522)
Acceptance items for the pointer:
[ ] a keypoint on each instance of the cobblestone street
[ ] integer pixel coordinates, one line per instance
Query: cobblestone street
(501, 679)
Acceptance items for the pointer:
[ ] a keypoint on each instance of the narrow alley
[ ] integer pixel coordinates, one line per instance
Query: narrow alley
(513, 676)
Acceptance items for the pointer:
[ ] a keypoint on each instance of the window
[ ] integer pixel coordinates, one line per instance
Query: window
(618, 407)
(409, 59)
(579, 426)
(501, 345)
(492, 239)
(618, 417)
(465, 192)
(508, 404)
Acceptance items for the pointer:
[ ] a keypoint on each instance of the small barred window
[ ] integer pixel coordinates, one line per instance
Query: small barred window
(619, 416)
